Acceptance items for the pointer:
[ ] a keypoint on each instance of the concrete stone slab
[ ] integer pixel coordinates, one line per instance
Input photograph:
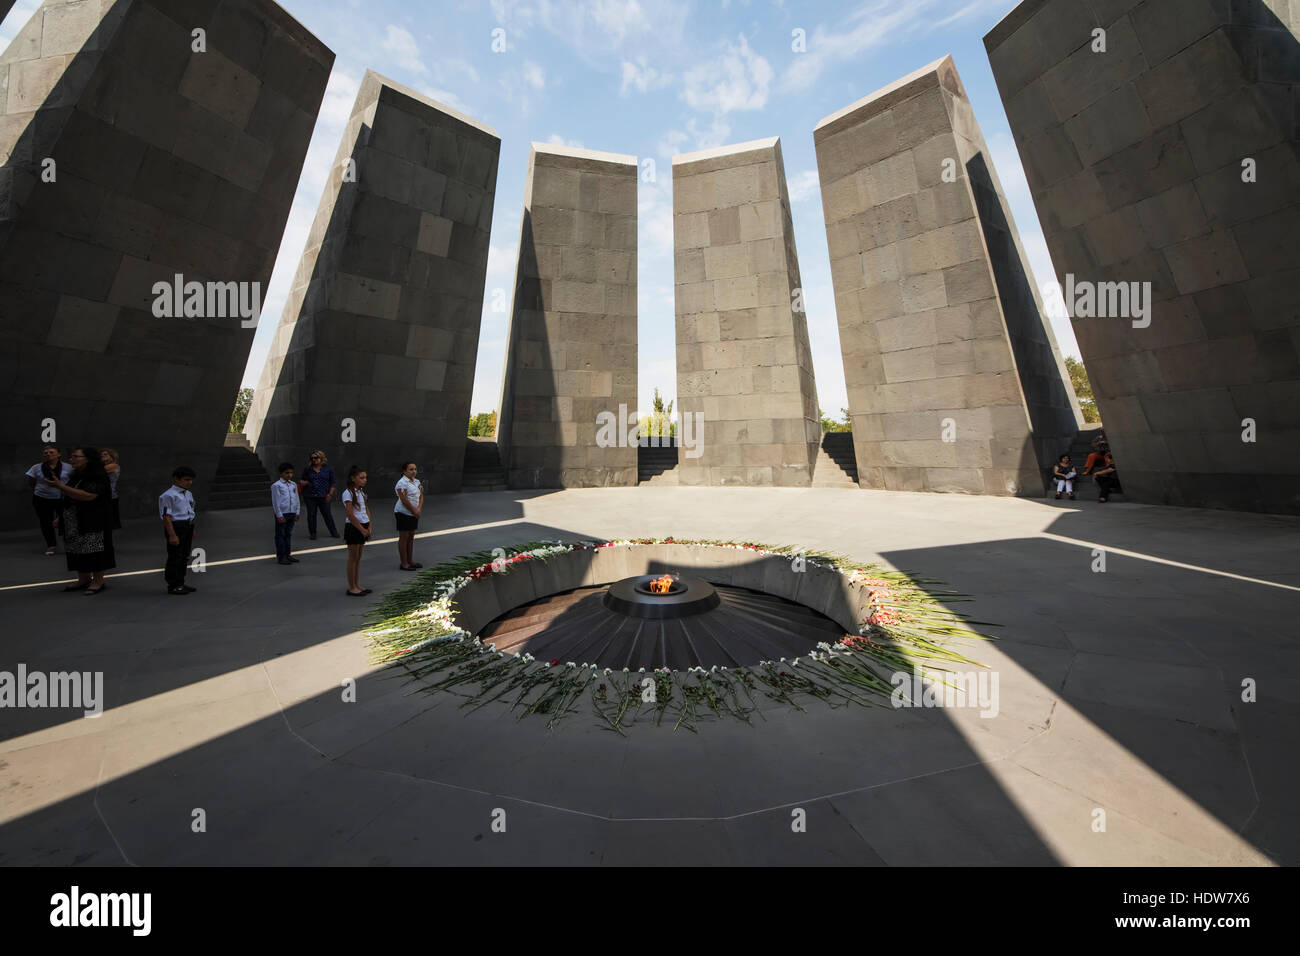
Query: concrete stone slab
(167, 161)
(760, 378)
(397, 238)
(1161, 126)
(959, 260)
(564, 387)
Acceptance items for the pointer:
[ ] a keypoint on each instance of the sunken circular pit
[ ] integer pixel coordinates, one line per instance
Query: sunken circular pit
(703, 625)
(668, 628)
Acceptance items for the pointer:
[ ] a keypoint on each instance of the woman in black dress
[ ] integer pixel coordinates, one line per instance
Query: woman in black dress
(87, 521)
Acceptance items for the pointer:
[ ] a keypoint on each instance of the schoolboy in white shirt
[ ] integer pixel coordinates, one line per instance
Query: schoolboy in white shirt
(284, 502)
(176, 509)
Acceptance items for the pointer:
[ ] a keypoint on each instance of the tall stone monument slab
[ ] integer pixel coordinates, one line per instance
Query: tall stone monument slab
(1159, 140)
(150, 155)
(571, 360)
(373, 361)
(955, 382)
(743, 360)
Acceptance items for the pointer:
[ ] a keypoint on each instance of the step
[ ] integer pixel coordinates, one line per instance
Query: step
(666, 478)
(240, 487)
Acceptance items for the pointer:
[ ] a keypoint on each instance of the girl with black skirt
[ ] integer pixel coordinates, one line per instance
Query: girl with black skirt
(357, 527)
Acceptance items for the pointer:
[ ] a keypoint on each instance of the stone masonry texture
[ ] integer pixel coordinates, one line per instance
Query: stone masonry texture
(571, 354)
(955, 382)
(743, 358)
(1171, 158)
(382, 324)
(165, 161)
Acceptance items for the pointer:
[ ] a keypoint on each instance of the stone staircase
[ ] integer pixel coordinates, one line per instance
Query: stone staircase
(657, 465)
(483, 470)
(837, 465)
(241, 480)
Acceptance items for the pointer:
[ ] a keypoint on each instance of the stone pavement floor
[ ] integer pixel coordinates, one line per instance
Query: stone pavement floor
(1120, 702)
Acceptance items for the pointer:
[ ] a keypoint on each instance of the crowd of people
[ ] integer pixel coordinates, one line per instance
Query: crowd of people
(77, 499)
(1100, 466)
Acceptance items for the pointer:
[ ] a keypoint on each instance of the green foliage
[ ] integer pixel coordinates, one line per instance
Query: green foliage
(830, 425)
(1083, 389)
(660, 421)
(238, 417)
(483, 425)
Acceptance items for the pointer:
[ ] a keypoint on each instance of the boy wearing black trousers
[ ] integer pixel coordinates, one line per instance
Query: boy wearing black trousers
(284, 502)
(176, 509)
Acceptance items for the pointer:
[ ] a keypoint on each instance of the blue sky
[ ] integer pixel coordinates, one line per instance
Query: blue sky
(651, 79)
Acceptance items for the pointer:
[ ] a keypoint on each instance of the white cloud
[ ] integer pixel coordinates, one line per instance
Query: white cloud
(16, 20)
(401, 46)
(457, 69)
(972, 9)
(871, 26)
(340, 97)
(555, 139)
(642, 77)
(619, 18)
(654, 212)
(804, 185)
(501, 261)
(1005, 159)
(534, 75)
(670, 144)
(739, 79)
(448, 98)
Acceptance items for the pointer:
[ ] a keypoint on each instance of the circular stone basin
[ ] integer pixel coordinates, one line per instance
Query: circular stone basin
(687, 595)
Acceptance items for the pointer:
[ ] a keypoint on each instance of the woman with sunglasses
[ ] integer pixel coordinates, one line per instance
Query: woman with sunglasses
(318, 486)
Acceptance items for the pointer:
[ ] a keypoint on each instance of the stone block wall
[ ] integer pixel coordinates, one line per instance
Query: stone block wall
(1137, 160)
(163, 160)
(382, 324)
(954, 379)
(743, 359)
(571, 355)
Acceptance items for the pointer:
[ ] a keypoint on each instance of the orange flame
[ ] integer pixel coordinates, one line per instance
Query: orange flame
(660, 585)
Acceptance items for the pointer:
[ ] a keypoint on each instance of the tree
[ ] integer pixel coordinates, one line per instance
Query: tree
(483, 425)
(238, 417)
(830, 425)
(660, 420)
(1083, 389)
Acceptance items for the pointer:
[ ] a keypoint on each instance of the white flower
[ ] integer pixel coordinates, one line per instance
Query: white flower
(607, 672)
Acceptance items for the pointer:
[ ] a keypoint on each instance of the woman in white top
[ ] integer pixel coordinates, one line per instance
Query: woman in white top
(357, 528)
(406, 511)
